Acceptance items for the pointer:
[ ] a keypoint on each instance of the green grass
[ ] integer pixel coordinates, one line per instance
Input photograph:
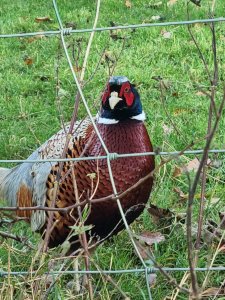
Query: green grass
(29, 115)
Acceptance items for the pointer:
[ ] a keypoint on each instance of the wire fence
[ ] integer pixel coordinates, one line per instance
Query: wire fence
(62, 32)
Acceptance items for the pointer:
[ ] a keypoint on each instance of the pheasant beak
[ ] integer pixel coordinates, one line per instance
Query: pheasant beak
(114, 99)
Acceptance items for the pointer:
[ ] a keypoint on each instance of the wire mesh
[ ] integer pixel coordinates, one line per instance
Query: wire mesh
(62, 32)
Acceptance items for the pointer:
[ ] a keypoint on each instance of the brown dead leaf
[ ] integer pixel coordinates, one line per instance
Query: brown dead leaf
(180, 111)
(193, 165)
(159, 214)
(128, 3)
(143, 250)
(171, 2)
(150, 238)
(177, 172)
(43, 19)
(28, 61)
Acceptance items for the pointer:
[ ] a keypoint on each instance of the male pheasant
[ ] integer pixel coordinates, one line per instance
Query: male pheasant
(120, 123)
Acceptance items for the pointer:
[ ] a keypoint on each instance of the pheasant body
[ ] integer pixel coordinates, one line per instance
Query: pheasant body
(32, 184)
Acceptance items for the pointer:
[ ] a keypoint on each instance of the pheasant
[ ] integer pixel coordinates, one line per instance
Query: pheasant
(120, 123)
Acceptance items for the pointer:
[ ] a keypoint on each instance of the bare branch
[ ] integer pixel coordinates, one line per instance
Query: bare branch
(20, 239)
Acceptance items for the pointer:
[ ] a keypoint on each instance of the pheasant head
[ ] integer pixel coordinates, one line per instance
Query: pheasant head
(120, 101)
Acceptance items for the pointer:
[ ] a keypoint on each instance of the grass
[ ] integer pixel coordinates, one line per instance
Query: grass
(29, 115)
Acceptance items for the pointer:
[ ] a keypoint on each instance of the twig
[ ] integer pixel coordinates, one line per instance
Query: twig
(20, 239)
(202, 166)
(214, 83)
(192, 191)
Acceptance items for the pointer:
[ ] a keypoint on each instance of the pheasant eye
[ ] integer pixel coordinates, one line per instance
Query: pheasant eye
(126, 90)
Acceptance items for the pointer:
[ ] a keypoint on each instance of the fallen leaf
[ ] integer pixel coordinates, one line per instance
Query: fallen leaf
(171, 2)
(43, 19)
(177, 172)
(167, 130)
(128, 3)
(180, 111)
(159, 214)
(193, 165)
(166, 34)
(150, 238)
(143, 250)
(28, 61)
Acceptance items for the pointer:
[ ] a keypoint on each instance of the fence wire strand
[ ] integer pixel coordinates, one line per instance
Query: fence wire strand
(109, 156)
(115, 156)
(134, 26)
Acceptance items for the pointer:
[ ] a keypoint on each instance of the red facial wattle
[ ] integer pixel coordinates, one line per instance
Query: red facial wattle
(127, 93)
